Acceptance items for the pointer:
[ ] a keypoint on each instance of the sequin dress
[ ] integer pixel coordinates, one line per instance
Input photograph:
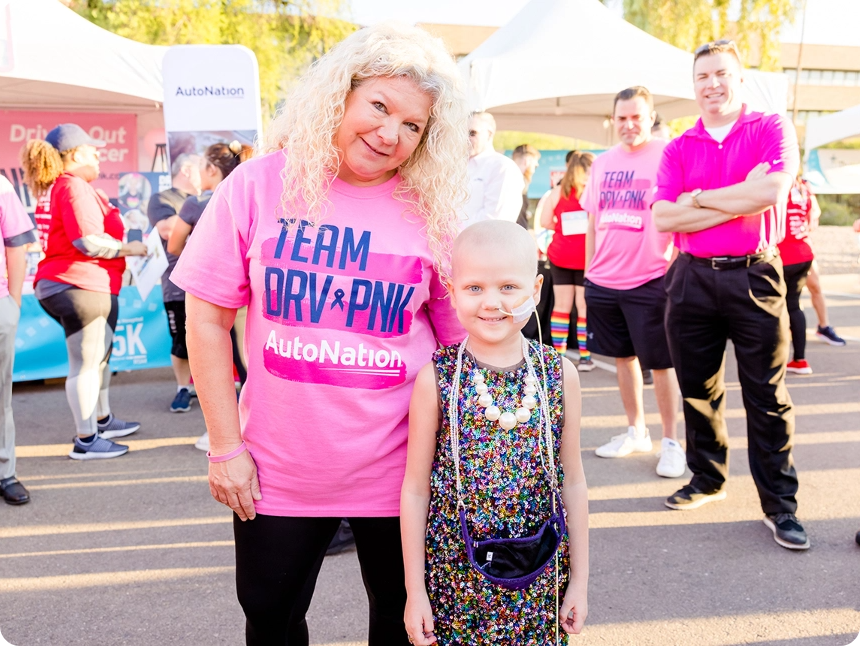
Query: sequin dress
(507, 494)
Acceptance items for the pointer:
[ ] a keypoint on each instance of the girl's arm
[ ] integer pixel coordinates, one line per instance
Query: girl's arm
(546, 215)
(414, 503)
(814, 212)
(178, 237)
(574, 493)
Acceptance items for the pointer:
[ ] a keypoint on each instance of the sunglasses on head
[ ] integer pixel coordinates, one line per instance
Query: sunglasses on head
(717, 45)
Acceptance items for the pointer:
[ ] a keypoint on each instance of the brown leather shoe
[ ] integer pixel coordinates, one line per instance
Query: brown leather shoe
(14, 493)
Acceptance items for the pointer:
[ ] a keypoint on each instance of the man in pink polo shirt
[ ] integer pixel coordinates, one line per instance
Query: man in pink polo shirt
(721, 189)
(625, 260)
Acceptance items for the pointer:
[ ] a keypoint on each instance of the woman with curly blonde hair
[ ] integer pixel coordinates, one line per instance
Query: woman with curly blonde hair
(337, 240)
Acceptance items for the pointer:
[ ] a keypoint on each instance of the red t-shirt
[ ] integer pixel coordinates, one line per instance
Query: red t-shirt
(42, 216)
(795, 248)
(566, 251)
(78, 211)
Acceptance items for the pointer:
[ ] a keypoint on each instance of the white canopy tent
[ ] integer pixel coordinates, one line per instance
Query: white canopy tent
(833, 171)
(53, 59)
(833, 127)
(556, 66)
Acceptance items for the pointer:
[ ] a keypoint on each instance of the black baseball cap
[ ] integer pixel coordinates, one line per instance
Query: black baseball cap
(70, 135)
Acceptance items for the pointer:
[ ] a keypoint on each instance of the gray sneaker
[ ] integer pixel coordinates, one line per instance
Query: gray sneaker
(98, 449)
(115, 427)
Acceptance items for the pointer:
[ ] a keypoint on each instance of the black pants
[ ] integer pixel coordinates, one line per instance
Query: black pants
(747, 305)
(795, 281)
(277, 563)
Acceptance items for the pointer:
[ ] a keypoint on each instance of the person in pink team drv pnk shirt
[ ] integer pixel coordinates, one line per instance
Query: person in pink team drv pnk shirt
(626, 259)
(336, 240)
(722, 189)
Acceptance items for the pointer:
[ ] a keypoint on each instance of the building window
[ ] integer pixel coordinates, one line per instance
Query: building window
(824, 77)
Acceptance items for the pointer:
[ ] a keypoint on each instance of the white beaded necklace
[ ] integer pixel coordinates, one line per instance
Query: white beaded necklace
(508, 420)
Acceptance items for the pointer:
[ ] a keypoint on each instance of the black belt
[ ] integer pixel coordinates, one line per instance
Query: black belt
(722, 263)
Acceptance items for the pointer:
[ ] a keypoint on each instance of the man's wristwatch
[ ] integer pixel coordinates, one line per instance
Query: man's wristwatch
(694, 194)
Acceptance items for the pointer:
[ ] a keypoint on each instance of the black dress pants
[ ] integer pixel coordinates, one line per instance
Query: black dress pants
(277, 563)
(747, 305)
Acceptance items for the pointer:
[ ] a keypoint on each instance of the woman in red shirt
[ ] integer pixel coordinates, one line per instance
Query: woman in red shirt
(797, 256)
(78, 281)
(566, 255)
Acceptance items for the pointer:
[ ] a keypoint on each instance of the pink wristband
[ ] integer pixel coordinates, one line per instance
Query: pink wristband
(228, 456)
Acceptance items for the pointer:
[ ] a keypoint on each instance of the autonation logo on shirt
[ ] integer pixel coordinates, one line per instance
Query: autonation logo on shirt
(222, 92)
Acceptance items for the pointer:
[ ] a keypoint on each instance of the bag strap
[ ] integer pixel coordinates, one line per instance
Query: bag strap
(545, 439)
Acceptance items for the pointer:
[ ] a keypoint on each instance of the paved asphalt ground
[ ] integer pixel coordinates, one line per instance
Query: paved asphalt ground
(134, 550)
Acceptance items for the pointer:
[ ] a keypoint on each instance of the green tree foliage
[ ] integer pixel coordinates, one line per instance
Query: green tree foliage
(690, 23)
(286, 35)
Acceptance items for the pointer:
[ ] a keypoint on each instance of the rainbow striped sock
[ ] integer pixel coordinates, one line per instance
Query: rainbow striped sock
(581, 338)
(559, 325)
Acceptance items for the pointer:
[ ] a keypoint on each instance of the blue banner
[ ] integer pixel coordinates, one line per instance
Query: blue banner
(550, 166)
(141, 339)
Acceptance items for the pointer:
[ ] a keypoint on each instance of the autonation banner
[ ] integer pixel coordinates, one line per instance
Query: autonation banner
(211, 95)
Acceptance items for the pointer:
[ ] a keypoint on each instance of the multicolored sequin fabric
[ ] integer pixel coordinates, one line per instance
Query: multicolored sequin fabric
(507, 494)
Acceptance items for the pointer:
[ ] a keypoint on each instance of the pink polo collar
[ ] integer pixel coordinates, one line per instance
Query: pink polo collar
(698, 131)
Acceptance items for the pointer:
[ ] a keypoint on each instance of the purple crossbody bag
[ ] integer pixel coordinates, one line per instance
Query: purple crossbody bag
(511, 563)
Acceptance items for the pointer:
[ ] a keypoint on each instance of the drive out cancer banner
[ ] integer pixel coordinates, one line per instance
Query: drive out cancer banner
(118, 130)
(211, 95)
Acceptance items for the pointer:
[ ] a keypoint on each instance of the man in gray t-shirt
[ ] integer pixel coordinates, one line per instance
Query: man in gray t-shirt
(163, 212)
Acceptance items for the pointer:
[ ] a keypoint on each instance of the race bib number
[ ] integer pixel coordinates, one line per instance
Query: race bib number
(574, 223)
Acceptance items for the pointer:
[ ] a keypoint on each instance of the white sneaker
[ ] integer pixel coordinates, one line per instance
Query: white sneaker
(203, 442)
(673, 461)
(633, 441)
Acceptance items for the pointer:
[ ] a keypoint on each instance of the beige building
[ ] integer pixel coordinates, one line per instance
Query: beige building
(829, 76)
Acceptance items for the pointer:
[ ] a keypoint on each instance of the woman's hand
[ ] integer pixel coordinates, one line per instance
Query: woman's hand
(574, 608)
(419, 620)
(234, 483)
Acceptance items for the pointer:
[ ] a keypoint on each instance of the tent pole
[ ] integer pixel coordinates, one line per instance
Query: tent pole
(799, 67)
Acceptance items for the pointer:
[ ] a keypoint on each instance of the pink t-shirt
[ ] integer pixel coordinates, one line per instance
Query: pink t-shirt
(696, 160)
(340, 320)
(628, 249)
(13, 222)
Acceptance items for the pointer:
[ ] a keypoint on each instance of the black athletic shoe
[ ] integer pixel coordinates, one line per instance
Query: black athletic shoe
(787, 531)
(647, 377)
(688, 497)
(857, 538)
(343, 540)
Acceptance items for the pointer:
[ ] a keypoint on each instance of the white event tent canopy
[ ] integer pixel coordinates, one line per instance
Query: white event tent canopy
(556, 66)
(841, 172)
(833, 127)
(53, 59)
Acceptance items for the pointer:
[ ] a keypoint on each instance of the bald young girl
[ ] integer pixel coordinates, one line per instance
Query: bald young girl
(494, 423)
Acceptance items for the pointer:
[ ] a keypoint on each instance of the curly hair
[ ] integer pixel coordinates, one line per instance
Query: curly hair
(42, 165)
(433, 178)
